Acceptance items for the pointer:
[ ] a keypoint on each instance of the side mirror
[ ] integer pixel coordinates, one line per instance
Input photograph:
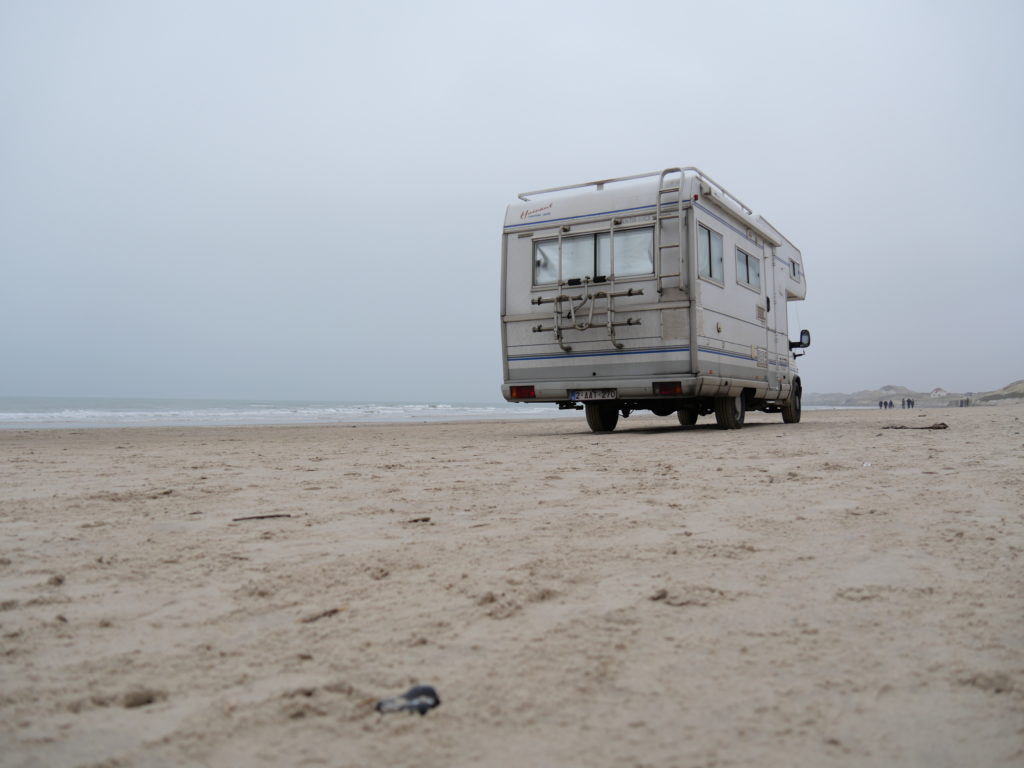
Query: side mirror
(805, 340)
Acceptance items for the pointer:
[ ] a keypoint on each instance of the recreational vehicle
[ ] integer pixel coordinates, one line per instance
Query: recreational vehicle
(660, 291)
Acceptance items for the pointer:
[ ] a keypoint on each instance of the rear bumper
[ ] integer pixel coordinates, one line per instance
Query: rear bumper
(691, 387)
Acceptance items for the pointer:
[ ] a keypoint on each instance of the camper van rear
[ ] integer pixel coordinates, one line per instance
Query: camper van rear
(660, 291)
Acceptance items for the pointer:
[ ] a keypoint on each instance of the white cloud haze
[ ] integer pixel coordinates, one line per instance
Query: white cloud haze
(304, 200)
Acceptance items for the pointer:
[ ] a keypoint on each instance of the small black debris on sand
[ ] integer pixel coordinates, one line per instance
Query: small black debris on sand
(419, 698)
(141, 697)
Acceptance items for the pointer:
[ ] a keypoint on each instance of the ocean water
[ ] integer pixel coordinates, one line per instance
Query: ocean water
(57, 413)
(79, 412)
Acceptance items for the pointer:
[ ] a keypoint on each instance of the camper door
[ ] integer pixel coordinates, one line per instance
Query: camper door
(776, 317)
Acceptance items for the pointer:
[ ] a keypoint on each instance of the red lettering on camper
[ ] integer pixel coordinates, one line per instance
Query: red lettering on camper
(531, 212)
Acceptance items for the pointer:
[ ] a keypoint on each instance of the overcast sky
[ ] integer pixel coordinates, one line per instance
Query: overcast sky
(304, 199)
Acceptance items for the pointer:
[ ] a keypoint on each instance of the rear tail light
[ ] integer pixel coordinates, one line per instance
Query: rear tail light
(674, 388)
(523, 393)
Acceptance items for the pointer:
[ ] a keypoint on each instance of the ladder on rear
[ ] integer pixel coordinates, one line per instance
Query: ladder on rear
(668, 250)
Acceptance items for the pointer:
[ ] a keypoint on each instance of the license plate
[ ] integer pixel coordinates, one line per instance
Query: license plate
(593, 394)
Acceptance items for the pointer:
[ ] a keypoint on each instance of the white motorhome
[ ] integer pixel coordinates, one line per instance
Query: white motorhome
(659, 291)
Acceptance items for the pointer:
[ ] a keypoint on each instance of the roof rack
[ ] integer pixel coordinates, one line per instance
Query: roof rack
(599, 185)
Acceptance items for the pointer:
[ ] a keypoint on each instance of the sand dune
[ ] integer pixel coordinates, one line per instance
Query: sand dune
(828, 593)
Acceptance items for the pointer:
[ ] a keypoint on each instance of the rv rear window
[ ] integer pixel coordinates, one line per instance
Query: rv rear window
(709, 254)
(748, 269)
(624, 253)
(578, 257)
(545, 262)
(634, 252)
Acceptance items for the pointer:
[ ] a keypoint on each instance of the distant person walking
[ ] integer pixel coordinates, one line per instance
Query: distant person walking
(880, 405)
(903, 403)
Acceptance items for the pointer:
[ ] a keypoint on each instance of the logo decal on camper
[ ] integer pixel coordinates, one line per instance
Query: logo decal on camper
(533, 213)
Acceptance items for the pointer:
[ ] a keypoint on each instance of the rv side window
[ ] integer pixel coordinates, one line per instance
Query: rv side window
(709, 254)
(794, 269)
(748, 269)
(591, 255)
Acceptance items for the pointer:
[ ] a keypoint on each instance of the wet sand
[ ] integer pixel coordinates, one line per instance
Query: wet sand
(828, 593)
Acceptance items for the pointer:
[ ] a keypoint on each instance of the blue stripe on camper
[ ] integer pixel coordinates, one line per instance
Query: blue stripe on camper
(662, 350)
(730, 226)
(599, 354)
(723, 353)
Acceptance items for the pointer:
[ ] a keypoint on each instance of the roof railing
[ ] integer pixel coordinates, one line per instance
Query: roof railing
(599, 185)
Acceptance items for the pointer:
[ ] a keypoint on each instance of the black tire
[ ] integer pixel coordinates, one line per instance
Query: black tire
(602, 417)
(791, 408)
(730, 412)
(687, 416)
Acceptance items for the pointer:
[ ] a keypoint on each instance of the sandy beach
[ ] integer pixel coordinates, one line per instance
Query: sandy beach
(831, 593)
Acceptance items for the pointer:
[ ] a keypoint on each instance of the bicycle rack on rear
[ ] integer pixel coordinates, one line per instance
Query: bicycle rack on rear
(582, 307)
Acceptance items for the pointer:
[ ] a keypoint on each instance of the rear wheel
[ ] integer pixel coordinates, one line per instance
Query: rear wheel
(791, 408)
(730, 412)
(687, 416)
(602, 417)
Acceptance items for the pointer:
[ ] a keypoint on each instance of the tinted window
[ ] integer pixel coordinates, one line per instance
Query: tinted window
(748, 269)
(709, 254)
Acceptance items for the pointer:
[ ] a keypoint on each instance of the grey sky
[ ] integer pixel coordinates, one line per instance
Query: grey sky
(304, 199)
